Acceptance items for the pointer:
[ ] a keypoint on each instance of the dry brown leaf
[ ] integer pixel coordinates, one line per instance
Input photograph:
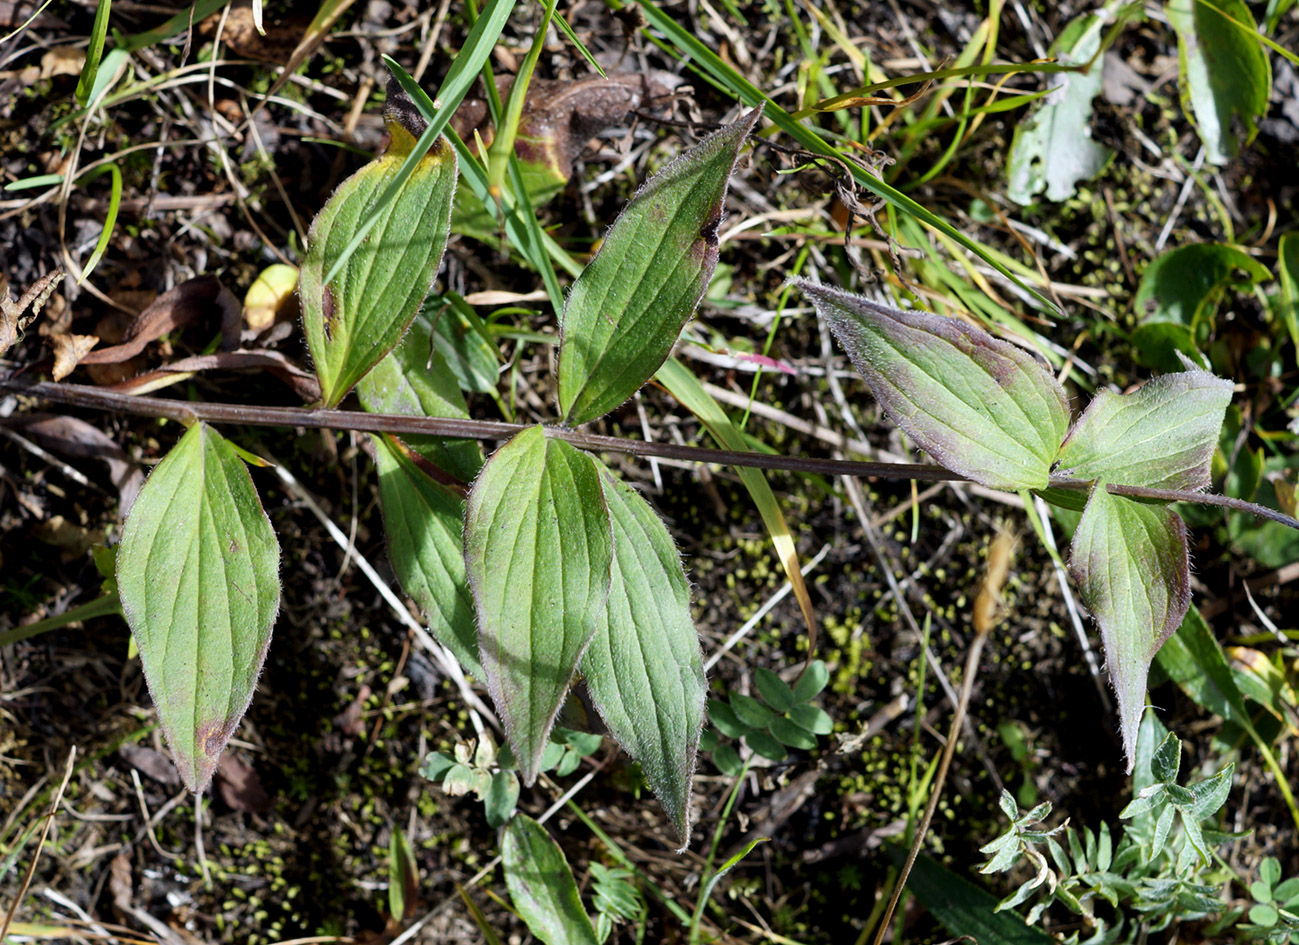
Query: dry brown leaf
(241, 787)
(349, 720)
(191, 301)
(151, 763)
(62, 60)
(74, 437)
(72, 540)
(15, 316)
(120, 882)
(68, 351)
(240, 34)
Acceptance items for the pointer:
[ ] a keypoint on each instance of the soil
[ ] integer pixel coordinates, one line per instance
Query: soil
(296, 829)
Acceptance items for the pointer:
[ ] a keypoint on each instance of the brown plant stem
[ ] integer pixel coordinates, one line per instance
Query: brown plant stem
(93, 398)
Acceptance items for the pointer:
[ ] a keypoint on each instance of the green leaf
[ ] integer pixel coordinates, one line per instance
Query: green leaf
(415, 381)
(1264, 914)
(436, 764)
(728, 762)
(198, 575)
(814, 678)
(722, 716)
(501, 798)
(1210, 794)
(541, 885)
(359, 317)
(750, 711)
(538, 544)
(787, 733)
(643, 668)
(1226, 78)
(460, 337)
(627, 308)
(964, 908)
(814, 719)
(1288, 273)
(766, 746)
(1167, 760)
(980, 407)
(423, 520)
(775, 692)
(1185, 285)
(1053, 148)
(1162, 435)
(403, 876)
(1131, 566)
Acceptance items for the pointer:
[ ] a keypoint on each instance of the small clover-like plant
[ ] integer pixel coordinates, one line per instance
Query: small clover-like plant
(987, 410)
(1274, 916)
(784, 718)
(491, 775)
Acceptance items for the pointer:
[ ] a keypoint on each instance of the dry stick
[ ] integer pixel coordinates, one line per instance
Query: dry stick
(985, 606)
(40, 845)
(83, 395)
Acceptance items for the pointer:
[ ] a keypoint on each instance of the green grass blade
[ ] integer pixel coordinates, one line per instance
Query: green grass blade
(94, 53)
(685, 387)
(110, 221)
(522, 229)
(477, 48)
(751, 95)
(1194, 660)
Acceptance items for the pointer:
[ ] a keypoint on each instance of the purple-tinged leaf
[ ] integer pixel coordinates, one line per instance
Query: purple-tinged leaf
(980, 407)
(1132, 569)
(1161, 435)
(538, 550)
(628, 306)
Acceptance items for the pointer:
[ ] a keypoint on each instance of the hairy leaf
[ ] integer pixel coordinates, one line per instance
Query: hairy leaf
(1288, 300)
(415, 380)
(1053, 148)
(980, 407)
(198, 575)
(628, 306)
(1226, 75)
(1131, 565)
(1162, 435)
(541, 885)
(423, 520)
(538, 545)
(643, 668)
(353, 322)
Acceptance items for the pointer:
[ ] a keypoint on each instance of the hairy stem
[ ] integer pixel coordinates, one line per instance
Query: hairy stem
(83, 395)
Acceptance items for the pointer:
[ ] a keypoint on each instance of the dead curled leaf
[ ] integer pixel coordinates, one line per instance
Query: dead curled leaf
(304, 383)
(70, 436)
(186, 304)
(561, 116)
(69, 350)
(239, 785)
(15, 316)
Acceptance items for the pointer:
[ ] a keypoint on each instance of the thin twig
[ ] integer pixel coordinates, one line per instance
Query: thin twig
(83, 395)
